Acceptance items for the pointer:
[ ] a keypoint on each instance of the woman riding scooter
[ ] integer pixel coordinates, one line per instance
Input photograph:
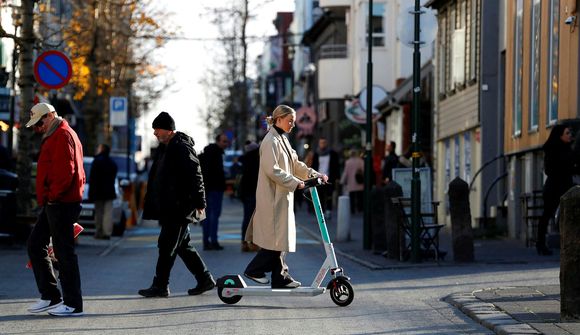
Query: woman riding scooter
(272, 226)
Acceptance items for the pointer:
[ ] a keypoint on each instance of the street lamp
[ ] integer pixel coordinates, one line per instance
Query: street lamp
(16, 20)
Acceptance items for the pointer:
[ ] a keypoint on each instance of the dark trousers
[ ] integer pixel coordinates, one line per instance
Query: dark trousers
(269, 261)
(249, 207)
(552, 191)
(213, 212)
(325, 195)
(356, 201)
(56, 221)
(174, 240)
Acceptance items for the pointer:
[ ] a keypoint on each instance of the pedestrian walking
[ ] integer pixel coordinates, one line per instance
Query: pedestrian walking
(559, 167)
(353, 179)
(60, 180)
(390, 162)
(273, 227)
(212, 167)
(327, 162)
(248, 185)
(176, 197)
(102, 192)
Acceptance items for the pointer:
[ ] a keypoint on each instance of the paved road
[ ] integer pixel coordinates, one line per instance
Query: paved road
(390, 301)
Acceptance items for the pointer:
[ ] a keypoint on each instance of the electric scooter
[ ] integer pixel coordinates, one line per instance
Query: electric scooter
(231, 288)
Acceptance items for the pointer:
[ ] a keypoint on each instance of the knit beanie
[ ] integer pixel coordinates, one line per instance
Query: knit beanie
(164, 121)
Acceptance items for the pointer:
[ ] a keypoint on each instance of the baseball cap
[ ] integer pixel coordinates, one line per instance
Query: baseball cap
(38, 111)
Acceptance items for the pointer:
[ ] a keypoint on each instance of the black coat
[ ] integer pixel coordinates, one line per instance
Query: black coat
(102, 178)
(175, 187)
(250, 167)
(212, 167)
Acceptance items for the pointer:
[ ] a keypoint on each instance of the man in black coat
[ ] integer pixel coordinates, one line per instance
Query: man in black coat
(176, 197)
(212, 166)
(326, 161)
(102, 192)
(249, 183)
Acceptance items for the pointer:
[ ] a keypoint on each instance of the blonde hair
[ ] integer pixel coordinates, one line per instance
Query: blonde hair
(278, 113)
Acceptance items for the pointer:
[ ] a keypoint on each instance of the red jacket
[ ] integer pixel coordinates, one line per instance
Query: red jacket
(60, 176)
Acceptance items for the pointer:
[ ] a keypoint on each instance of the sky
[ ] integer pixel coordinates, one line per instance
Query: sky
(187, 60)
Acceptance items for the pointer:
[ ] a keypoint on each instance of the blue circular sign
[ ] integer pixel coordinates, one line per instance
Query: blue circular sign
(52, 69)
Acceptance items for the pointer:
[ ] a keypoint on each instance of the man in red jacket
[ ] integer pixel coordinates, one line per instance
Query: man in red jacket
(60, 180)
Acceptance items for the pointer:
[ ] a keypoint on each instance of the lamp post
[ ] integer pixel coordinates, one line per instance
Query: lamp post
(416, 153)
(368, 145)
(16, 22)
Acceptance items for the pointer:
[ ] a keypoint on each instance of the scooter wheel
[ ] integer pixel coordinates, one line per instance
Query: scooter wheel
(341, 292)
(228, 300)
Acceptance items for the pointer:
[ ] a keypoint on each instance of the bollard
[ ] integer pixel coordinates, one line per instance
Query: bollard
(461, 232)
(343, 222)
(570, 255)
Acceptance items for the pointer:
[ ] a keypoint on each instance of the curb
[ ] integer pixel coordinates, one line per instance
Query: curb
(488, 314)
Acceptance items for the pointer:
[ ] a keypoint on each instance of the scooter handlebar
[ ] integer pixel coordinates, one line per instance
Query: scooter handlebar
(313, 182)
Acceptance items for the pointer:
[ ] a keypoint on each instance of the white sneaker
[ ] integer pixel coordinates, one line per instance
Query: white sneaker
(43, 305)
(64, 310)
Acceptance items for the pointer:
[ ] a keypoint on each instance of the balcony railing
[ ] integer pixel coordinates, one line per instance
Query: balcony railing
(333, 51)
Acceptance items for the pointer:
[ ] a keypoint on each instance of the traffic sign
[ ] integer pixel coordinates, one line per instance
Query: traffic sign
(52, 69)
(118, 111)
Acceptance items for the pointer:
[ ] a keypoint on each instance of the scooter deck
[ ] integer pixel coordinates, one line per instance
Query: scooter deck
(265, 291)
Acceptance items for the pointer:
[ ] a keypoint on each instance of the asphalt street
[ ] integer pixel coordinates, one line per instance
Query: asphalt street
(387, 301)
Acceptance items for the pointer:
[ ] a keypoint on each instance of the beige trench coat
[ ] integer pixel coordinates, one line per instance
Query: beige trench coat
(273, 226)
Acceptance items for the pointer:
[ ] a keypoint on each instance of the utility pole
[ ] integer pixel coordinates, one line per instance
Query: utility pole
(369, 133)
(415, 120)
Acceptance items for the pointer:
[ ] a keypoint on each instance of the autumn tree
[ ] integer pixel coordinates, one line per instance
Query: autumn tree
(227, 84)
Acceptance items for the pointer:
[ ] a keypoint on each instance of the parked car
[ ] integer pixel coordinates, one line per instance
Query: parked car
(120, 206)
(8, 184)
(231, 158)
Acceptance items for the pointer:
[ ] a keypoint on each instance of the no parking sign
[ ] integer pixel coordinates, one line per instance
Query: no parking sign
(52, 69)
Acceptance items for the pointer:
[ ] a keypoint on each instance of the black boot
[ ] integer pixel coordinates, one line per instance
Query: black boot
(205, 283)
(156, 290)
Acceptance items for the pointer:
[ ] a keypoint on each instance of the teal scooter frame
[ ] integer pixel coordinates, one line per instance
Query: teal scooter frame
(231, 288)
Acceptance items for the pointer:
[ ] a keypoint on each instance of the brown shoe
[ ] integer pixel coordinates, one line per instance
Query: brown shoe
(245, 247)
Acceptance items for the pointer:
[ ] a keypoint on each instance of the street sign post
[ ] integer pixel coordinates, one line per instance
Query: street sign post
(118, 111)
(52, 69)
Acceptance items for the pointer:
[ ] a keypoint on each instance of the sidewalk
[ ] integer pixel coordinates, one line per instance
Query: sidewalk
(505, 310)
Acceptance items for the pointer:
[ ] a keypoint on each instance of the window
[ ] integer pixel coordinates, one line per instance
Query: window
(377, 25)
(457, 158)
(442, 61)
(535, 64)
(473, 36)
(553, 62)
(518, 69)
(467, 156)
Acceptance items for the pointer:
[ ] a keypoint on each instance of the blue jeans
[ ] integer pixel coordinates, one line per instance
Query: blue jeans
(213, 212)
(249, 207)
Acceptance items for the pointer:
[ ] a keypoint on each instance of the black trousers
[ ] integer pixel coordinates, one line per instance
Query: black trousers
(269, 261)
(56, 221)
(174, 240)
(552, 191)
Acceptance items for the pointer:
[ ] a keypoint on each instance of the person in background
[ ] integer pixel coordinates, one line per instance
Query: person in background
(248, 184)
(175, 196)
(390, 162)
(60, 182)
(354, 166)
(102, 180)
(327, 162)
(559, 167)
(212, 167)
(273, 226)
(6, 161)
